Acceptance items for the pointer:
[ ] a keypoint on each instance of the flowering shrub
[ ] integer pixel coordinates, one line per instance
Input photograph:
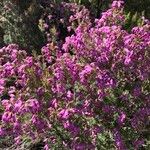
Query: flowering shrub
(94, 94)
(61, 19)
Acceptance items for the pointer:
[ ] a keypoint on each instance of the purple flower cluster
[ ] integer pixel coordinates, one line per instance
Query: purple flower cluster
(98, 88)
(61, 19)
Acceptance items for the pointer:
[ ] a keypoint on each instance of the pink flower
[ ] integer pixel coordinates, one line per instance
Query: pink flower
(64, 114)
(18, 106)
(122, 118)
(54, 103)
(69, 94)
(33, 105)
(46, 147)
(7, 116)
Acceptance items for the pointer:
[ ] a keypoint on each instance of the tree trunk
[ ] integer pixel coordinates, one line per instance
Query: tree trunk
(19, 21)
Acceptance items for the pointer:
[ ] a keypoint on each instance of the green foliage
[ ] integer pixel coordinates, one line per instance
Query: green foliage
(105, 141)
(20, 25)
(138, 6)
(133, 20)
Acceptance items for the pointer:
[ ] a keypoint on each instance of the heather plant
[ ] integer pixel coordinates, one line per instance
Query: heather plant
(61, 19)
(91, 93)
(19, 19)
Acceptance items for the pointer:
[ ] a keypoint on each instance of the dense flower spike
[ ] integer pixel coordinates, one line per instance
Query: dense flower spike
(93, 93)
